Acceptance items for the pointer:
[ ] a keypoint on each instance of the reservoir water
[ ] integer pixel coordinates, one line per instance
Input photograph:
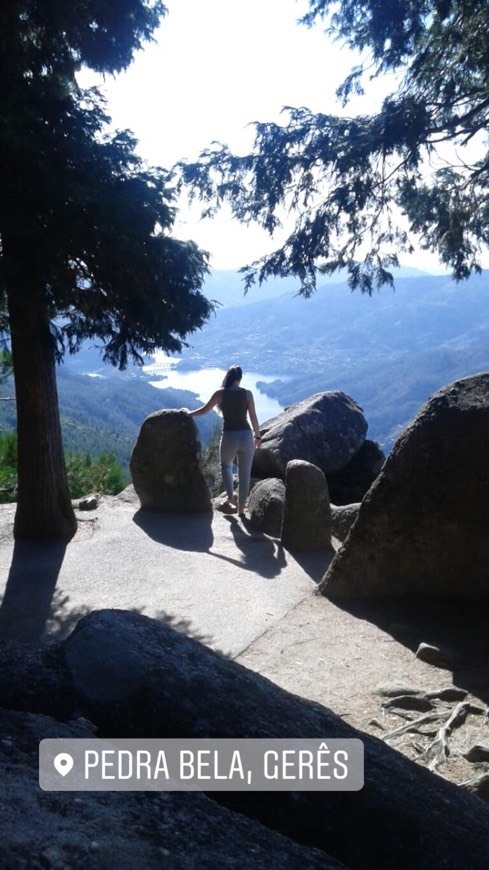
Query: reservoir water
(204, 382)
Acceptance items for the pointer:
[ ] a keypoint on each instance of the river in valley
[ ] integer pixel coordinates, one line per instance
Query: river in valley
(204, 382)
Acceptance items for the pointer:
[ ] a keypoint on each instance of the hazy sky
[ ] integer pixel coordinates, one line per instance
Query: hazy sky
(216, 66)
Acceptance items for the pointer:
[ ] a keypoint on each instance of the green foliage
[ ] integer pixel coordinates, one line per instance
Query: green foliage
(416, 171)
(8, 467)
(55, 37)
(5, 365)
(8, 450)
(93, 216)
(211, 463)
(86, 475)
(105, 413)
(85, 225)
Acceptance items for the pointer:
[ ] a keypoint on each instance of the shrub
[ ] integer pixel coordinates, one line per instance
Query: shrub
(85, 474)
(211, 463)
(8, 468)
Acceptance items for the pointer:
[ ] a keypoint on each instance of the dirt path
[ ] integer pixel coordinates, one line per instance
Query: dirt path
(356, 661)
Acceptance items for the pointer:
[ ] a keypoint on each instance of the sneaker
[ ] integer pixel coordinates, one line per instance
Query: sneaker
(227, 507)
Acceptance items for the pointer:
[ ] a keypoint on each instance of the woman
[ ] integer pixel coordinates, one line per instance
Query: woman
(236, 405)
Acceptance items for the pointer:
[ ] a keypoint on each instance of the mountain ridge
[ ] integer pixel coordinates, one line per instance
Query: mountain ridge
(226, 286)
(389, 352)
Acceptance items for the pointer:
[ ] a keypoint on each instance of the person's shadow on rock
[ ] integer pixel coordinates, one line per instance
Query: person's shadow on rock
(261, 554)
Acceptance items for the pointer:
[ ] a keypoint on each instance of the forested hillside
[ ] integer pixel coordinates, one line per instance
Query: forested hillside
(105, 413)
(389, 351)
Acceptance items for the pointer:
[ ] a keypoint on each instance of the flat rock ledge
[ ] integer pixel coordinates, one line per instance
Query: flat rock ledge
(133, 676)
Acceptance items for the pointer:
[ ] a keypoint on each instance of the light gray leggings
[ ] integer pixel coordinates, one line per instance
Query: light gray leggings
(239, 445)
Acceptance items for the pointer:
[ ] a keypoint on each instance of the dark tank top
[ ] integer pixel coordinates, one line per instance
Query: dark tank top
(234, 407)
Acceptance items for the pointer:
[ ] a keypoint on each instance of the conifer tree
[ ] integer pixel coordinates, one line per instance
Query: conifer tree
(86, 250)
(367, 187)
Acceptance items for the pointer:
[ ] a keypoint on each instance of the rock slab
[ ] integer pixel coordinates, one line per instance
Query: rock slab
(342, 519)
(266, 506)
(404, 816)
(165, 465)
(349, 485)
(422, 528)
(326, 429)
(124, 830)
(306, 521)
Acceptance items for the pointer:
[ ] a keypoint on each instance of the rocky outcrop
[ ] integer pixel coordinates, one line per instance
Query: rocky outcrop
(165, 464)
(342, 519)
(307, 513)
(121, 829)
(133, 676)
(423, 526)
(351, 483)
(326, 430)
(266, 506)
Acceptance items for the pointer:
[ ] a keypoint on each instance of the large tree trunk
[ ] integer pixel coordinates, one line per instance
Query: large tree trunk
(44, 507)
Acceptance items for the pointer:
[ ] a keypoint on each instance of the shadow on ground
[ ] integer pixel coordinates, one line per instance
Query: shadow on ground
(33, 610)
(459, 628)
(256, 552)
(27, 602)
(314, 564)
(259, 553)
(182, 531)
(63, 619)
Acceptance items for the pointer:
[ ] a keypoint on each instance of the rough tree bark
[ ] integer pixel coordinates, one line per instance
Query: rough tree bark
(44, 508)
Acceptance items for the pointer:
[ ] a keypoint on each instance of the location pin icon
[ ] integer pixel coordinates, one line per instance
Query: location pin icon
(63, 763)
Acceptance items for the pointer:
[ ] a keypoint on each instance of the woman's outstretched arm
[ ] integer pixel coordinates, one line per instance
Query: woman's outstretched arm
(204, 409)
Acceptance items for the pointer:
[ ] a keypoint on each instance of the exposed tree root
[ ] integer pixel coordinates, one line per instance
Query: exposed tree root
(445, 719)
(413, 724)
(478, 784)
(438, 750)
